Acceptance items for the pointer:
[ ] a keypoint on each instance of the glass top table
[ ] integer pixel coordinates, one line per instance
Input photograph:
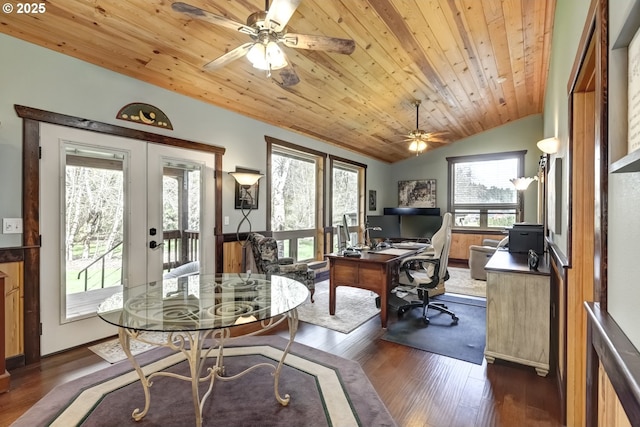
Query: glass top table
(202, 302)
(197, 314)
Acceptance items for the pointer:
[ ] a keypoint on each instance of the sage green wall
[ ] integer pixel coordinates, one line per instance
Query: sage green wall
(568, 24)
(522, 134)
(41, 78)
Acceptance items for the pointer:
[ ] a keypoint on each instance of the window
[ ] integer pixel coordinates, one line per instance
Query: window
(296, 188)
(347, 196)
(480, 193)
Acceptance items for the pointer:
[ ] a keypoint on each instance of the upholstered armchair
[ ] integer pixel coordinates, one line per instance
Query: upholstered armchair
(263, 259)
(479, 256)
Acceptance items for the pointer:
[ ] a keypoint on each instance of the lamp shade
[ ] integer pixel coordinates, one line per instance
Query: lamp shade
(267, 57)
(246, 178)
(549, 145)
(522, 183)
(417, 146)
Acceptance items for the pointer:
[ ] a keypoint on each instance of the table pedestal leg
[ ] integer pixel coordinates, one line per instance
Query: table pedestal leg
(192, 345)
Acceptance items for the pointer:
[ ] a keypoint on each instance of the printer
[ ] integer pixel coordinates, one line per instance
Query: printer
(524, 236)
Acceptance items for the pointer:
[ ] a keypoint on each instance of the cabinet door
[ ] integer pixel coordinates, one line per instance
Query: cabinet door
(13, 298)
(518, 317)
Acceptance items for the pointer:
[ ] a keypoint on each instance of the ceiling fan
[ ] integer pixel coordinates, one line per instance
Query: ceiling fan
(267, 32)
(418, 138)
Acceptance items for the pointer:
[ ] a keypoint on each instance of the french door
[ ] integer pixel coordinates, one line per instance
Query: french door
(115, 212)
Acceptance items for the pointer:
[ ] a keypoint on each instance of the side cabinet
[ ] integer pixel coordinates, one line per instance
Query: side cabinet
(518, 312)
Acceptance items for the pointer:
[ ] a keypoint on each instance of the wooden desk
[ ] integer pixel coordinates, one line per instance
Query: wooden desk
(373, 271)
(5, 378)
(518, 311)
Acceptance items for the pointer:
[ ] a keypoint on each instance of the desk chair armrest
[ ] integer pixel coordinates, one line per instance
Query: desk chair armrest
(421, 257)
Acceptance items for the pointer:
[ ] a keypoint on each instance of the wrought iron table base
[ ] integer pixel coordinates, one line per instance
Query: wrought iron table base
(197, 353)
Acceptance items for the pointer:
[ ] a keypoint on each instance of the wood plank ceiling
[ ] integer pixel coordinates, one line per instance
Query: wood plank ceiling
(474, 64)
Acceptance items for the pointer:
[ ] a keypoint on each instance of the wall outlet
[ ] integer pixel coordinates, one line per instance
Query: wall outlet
(226, 220)
(11, 225)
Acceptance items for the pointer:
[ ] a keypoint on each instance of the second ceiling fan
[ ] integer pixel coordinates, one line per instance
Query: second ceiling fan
(419, 138)
(267, 32)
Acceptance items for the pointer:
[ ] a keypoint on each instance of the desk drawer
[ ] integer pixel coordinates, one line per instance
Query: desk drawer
(369, 275)
(345, 273)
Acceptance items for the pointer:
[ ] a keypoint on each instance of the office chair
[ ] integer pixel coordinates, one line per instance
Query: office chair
(427, 270)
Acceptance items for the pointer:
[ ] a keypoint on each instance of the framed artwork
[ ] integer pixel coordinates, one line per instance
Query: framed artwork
(372, 200)
(420, 193)
(247, 196)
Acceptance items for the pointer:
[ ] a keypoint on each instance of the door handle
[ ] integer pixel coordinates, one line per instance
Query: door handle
(155, 245)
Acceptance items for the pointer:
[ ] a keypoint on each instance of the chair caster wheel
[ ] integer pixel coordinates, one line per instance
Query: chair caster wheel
(425, 321)
(455, 320)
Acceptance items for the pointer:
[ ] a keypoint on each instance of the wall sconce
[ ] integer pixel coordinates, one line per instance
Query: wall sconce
(523, 183)
(245, 179)
(549, 145)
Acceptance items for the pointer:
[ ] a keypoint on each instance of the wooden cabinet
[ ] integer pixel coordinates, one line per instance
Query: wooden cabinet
(13, 308)
(518, 311)
(460, 242)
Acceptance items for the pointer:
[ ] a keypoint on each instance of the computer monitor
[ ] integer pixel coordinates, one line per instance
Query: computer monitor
(390, 225)
(419, 226)
(346, 236)
(343, 235)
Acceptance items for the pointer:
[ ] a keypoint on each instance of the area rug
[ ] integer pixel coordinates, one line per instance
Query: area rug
(354, 306)
(326, 390)
(460, 282)
(112, 352)
(464, 341)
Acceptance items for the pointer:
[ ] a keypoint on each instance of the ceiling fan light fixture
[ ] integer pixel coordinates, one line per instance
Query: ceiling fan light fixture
(266, 57)
(417, 146)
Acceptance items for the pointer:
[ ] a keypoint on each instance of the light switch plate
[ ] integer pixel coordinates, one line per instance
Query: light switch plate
(11, 225)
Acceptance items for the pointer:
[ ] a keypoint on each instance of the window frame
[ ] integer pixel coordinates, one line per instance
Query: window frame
(290, 237)
(361, 169)
(484, 208)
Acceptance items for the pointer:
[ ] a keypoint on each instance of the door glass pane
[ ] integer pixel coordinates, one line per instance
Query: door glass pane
(181, 214)
(93, 245)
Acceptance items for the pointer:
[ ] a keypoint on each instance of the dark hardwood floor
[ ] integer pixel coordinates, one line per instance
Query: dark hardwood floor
(418, 388)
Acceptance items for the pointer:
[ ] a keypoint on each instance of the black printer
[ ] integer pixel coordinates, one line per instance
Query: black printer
(524, 236)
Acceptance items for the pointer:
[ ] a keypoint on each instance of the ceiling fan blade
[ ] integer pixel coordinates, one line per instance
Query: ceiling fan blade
(288, 75)
(328, 44)
(197, 13)
(279, 14)
(232, 55)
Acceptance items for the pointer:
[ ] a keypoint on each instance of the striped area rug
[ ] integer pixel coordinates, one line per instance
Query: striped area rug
(325, 390)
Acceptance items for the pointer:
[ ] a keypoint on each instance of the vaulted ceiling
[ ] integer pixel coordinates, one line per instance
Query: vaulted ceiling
(473, 64)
